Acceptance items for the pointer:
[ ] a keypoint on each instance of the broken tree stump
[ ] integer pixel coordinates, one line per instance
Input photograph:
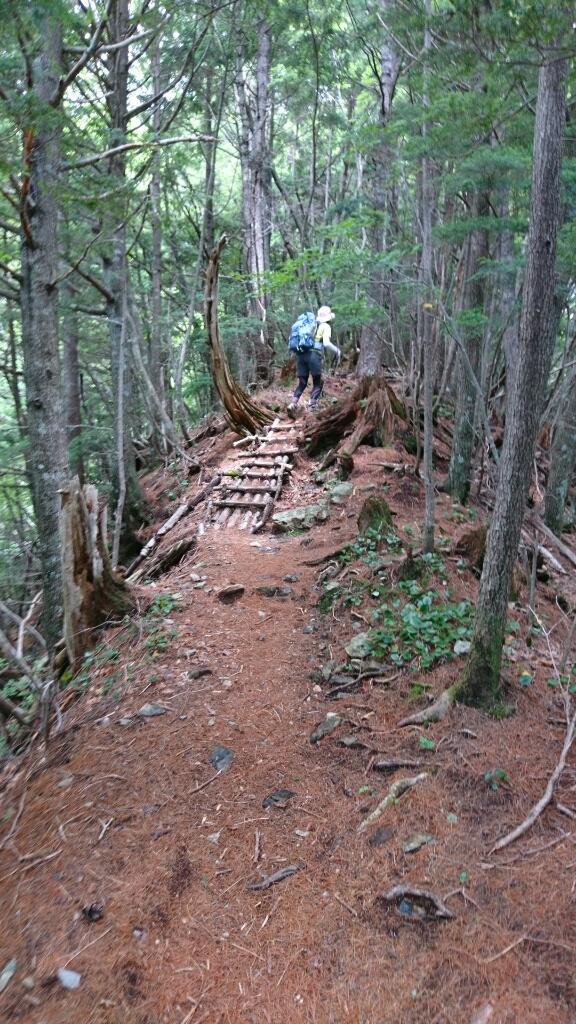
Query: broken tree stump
(92, 590)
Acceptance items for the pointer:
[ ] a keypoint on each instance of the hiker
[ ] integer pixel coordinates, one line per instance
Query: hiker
(309, 359)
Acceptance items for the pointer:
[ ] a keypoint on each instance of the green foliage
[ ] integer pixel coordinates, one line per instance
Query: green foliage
(163, 604)
(495, 778)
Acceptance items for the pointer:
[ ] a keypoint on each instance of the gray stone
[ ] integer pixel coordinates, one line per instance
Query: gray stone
(339, 492)
(151, 710)
(330, 723)
(302, 518)
(8, 973)
(462, 647)
(69, 979)
(221, 758)
(274, 590)
(418, 840)
(359, 646)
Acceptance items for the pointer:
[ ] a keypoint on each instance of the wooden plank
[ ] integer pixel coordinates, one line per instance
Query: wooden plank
(252, 488)
(237, 504)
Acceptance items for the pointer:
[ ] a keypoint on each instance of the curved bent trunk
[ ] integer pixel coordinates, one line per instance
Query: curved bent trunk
(241, 412)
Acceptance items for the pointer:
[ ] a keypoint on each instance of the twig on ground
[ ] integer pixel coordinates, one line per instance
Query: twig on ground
(207, 783)
(278, 876)
(503, 952)
(87, 946)
(257, 850)
(345, 905)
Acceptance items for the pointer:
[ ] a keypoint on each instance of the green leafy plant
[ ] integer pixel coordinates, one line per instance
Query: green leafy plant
(163, 604)
(425, 743)
(495, 778)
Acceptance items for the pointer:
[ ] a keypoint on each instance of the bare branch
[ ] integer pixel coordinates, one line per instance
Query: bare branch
(88, 160)
(83, 60)
(74, 267)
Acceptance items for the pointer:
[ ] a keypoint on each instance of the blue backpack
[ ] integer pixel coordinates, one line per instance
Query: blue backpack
(302, 333)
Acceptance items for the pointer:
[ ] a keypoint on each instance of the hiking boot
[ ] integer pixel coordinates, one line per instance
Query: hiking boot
(291, 410)
(312, 406)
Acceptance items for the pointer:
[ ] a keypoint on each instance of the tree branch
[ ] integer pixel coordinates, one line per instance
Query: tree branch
(88, 160)
(83, 60)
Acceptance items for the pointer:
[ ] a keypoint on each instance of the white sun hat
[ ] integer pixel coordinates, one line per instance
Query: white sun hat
(324, 314)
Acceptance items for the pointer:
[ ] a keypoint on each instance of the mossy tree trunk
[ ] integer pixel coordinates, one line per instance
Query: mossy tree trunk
(480, 681)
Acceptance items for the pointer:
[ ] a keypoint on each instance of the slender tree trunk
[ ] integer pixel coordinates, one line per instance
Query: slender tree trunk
(39, 255)
(375, 348)
(72, 388)
(256, 212)
(460, 472)
(481, 678)
(116, 277)
(562, 461)
(426, 321)
(159, 369)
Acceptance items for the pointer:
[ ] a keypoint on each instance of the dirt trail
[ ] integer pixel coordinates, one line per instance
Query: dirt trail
(133, 818)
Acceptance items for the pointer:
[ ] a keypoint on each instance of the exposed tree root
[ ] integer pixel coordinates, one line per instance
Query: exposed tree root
(396, 790)
(547, 795)
(241, 412)
(365, 415)
(429, 901)
(436, 712)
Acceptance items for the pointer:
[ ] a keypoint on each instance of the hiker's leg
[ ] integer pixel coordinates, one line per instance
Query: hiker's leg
(302, 372)
(317, 382)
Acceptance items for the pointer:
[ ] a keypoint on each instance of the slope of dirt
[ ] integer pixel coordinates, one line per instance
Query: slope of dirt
(127, 820)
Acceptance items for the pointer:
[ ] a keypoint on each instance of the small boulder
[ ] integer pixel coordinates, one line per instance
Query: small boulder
(231, 593)
(302, 518)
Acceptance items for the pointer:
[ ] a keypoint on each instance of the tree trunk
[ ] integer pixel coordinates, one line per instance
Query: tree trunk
(39, 297)
(72, 389)
(562, 461)
(481, 677)
(256, 212)
(425, 319)
(242, 413)
(116, 278)
(374, 347)
(460, 471)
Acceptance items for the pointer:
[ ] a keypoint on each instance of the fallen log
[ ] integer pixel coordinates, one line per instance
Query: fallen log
(176, 516)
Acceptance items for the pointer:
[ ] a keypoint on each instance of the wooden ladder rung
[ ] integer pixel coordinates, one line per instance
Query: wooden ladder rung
(248, 505)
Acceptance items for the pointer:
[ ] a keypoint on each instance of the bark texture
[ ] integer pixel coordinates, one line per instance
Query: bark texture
(481, 677)
(562, 462)
(242, 413)
(92, 591)
(39, 298)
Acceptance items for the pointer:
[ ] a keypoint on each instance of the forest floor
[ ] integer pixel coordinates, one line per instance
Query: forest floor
(128, 856)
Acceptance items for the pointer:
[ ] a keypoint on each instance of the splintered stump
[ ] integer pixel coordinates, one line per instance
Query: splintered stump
(367, 415)
(92, 591)
(241, 412)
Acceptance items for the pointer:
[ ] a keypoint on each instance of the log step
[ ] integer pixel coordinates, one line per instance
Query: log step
(248, 505)
(252, 489)
(277, 451)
